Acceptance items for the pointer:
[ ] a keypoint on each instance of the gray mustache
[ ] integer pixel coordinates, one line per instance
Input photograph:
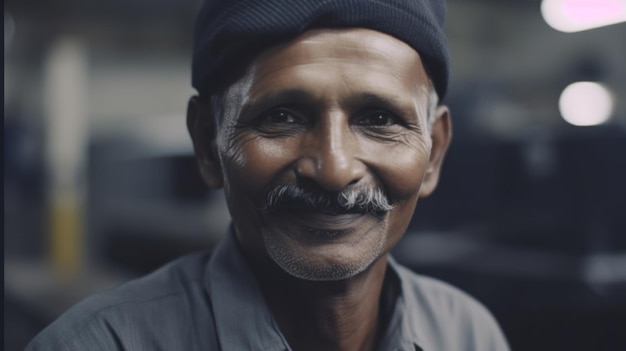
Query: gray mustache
(292, 197)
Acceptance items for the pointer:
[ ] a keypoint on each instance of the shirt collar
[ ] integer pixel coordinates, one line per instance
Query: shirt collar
(251, 325)
(240, 326)
(403, 330)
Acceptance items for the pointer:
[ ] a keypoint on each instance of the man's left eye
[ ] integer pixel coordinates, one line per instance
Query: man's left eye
(377, 119)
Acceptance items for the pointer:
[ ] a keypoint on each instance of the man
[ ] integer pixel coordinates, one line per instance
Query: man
(321, 121)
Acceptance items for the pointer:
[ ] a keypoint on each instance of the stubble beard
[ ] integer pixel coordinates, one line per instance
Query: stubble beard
(316, 268)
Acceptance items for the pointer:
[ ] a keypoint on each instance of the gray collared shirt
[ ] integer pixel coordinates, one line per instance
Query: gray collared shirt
(212, 302)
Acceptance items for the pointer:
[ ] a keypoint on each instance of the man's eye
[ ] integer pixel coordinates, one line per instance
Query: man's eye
(280, 117)
(377, 119)
(280, 122)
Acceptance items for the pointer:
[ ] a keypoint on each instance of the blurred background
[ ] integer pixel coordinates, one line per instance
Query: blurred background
(100, 184)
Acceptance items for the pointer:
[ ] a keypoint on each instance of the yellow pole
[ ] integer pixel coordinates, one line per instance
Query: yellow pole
(66, 236)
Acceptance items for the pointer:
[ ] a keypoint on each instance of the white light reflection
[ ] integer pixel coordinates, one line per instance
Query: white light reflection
(586, 104)
(578, 15)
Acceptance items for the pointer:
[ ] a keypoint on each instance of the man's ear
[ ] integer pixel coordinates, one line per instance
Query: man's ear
(202, 126)
(441, 134)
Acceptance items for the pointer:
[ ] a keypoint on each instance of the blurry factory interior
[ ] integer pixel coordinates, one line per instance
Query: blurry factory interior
(529, 217)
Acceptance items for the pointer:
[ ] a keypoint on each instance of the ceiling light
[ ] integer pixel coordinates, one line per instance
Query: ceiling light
(586, 104)
(578, 15)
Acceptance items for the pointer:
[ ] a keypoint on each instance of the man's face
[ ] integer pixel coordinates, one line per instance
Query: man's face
(331, 111)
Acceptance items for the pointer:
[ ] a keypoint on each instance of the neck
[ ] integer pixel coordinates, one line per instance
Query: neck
(338, 315)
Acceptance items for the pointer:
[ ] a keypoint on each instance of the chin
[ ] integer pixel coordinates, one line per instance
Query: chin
(325, 256)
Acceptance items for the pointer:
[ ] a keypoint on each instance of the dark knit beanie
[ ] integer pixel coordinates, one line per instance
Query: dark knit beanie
(230, 33)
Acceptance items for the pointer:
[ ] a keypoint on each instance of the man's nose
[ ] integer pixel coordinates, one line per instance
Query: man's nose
(331, 155)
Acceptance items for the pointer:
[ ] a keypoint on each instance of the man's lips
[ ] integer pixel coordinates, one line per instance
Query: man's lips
(322, 219)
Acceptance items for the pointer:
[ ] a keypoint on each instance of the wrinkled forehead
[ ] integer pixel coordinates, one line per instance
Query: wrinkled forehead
(358, 50)
(354, 45)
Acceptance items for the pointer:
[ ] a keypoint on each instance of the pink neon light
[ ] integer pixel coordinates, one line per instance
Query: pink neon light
(584, 11)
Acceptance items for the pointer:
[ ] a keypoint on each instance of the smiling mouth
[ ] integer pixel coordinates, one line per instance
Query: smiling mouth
(322, 225)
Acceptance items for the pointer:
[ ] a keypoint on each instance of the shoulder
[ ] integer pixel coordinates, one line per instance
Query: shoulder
(138, 314)
(452, 314)
(447, 299)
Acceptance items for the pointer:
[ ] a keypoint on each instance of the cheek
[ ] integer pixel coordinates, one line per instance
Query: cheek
(401, 169)
(403, 176)
(253, 163)
(403, 181)
(408, 172)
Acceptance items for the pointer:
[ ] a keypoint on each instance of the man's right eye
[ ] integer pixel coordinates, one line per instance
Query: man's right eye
(280, 122)
(280, 117)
